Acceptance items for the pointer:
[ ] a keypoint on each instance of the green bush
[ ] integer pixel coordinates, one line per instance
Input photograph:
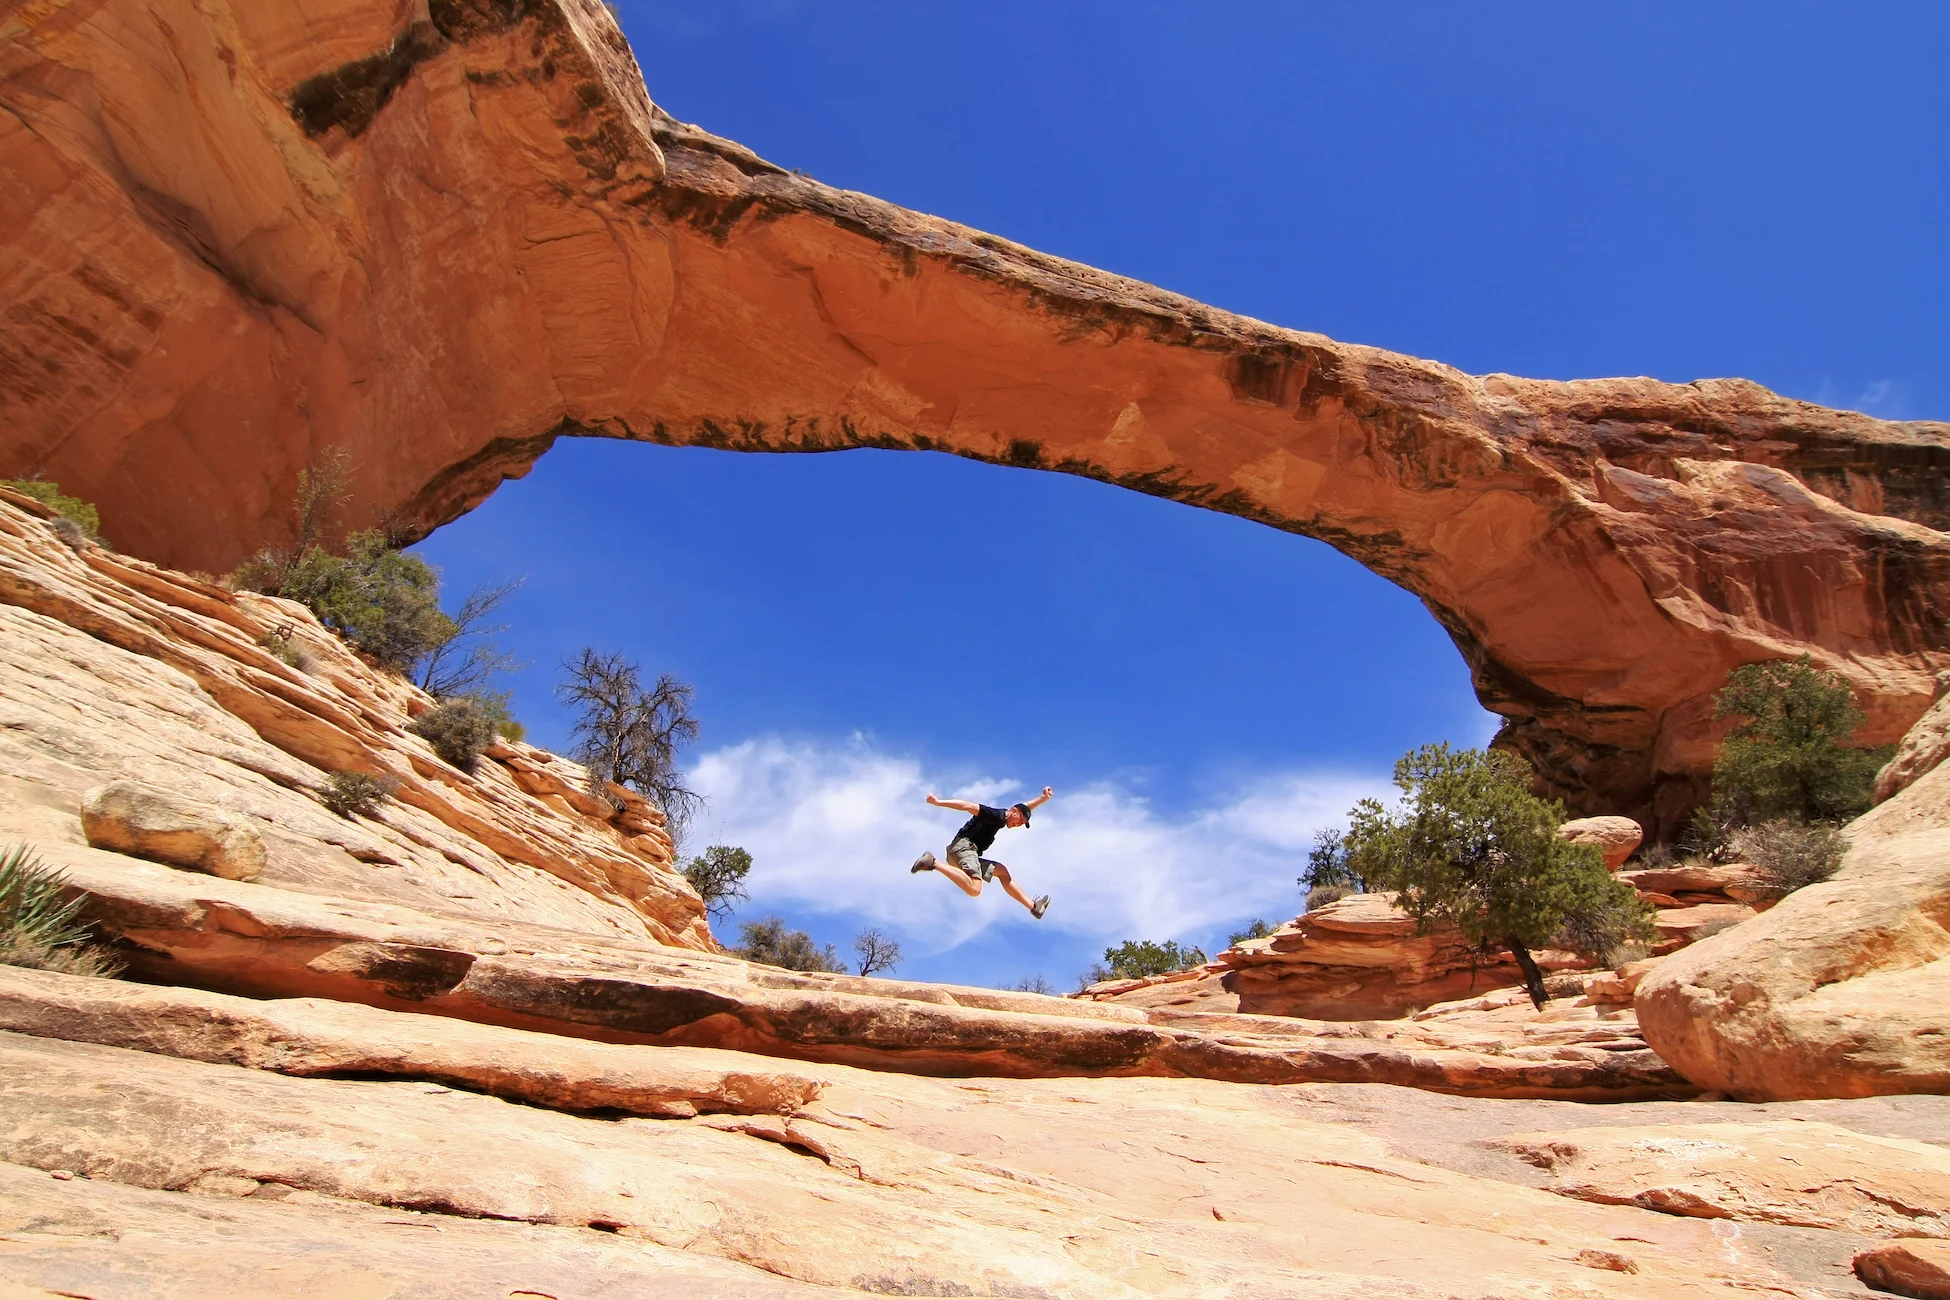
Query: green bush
(1141, 958)
(1789, 756)
(768, 941)
(718, 875)
(38, 925)
(1787, 855)
(1470, 847)
(458, 730)
(355, 794)
(73, 509)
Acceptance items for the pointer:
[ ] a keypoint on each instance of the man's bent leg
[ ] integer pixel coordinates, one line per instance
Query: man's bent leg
(956, 867)
(1010, 887)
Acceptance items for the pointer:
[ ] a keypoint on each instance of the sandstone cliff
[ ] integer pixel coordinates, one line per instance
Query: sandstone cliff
(441, 236)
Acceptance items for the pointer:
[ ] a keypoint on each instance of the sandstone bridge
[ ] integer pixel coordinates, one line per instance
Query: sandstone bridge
(442, 235)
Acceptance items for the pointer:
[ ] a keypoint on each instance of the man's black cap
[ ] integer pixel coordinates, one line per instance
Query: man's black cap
(1022, 808)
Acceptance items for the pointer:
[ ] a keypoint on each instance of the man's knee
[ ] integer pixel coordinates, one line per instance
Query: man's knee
(1002, 873)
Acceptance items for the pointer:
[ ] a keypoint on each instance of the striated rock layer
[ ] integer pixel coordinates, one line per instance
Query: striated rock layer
(118, 674)
(441, 236)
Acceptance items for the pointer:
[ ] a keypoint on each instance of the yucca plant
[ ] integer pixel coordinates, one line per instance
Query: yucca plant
(38, 922)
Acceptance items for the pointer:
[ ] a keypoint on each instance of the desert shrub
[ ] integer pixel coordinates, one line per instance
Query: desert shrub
(1565, 984)
(1789, 756)
(1140, 958)
(1321, 895)
(1470, 847)
(1602, 923)
(1786, 855)
(355, 794)
(78, 513)
(718, 875)
(39, 925)
(769, 942)
(1257, 930)
(1655, 857)
(628, 734)
(1032, 984)
(458, 730)
(876, 951)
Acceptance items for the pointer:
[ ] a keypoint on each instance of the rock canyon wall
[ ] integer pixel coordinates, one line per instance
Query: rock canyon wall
(440, 235)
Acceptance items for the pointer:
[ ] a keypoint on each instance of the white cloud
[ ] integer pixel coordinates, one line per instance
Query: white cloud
(833, 827)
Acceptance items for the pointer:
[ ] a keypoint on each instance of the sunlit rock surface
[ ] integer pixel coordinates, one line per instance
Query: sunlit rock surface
(1840, 989)
(440, 237)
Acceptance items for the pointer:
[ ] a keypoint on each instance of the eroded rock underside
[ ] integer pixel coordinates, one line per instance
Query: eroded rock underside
(440, 236)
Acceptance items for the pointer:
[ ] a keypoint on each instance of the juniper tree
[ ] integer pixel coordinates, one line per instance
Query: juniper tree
(1790, 756)
(1470, 847)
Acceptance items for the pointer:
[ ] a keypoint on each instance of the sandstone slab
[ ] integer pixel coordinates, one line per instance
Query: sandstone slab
(1602, 551)
(129, 817)
(311, 1037)
(1918, 1269)
(887, 1184)
(1803, 1173)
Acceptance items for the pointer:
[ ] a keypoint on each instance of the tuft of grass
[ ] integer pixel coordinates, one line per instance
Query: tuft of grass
(355, 794)
(1321, 895)
(39, 925)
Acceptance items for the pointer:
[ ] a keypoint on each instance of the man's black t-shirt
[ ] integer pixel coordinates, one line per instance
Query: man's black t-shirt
(980, 829)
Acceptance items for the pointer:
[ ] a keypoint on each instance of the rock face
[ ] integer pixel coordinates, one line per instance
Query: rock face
(117, 677)
(1806, 1174)
(1919, 1269)
(466, 231)
(1837, 991)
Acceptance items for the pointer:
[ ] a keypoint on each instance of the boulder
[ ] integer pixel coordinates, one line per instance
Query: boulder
(1603, 551)
(1616, 837)
(1921, 749)
(1917, 1269)
(163, 826)
(1836, 991)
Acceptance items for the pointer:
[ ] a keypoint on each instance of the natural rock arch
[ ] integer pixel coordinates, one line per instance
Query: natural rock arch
(440, 236)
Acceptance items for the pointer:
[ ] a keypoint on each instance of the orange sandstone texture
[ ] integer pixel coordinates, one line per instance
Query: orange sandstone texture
(441, 236)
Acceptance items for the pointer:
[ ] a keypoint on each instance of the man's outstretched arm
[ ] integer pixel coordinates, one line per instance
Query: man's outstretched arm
(959, 805)
(1040, 799)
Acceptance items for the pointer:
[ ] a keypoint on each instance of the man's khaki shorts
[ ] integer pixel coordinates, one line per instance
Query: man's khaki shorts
(965, 855)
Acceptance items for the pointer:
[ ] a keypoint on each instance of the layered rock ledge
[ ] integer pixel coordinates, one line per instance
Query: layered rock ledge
(440, 238)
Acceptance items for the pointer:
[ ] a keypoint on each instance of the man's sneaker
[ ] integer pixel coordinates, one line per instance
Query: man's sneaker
(1040, 906)
(923, 863)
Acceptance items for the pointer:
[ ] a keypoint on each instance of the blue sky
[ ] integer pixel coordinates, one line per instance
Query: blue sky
(1559, 191)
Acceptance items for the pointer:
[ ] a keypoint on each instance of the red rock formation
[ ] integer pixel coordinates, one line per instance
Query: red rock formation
(240, 234)
(1839, 989)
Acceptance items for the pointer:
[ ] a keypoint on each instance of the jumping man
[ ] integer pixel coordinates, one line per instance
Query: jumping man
(966, 867)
